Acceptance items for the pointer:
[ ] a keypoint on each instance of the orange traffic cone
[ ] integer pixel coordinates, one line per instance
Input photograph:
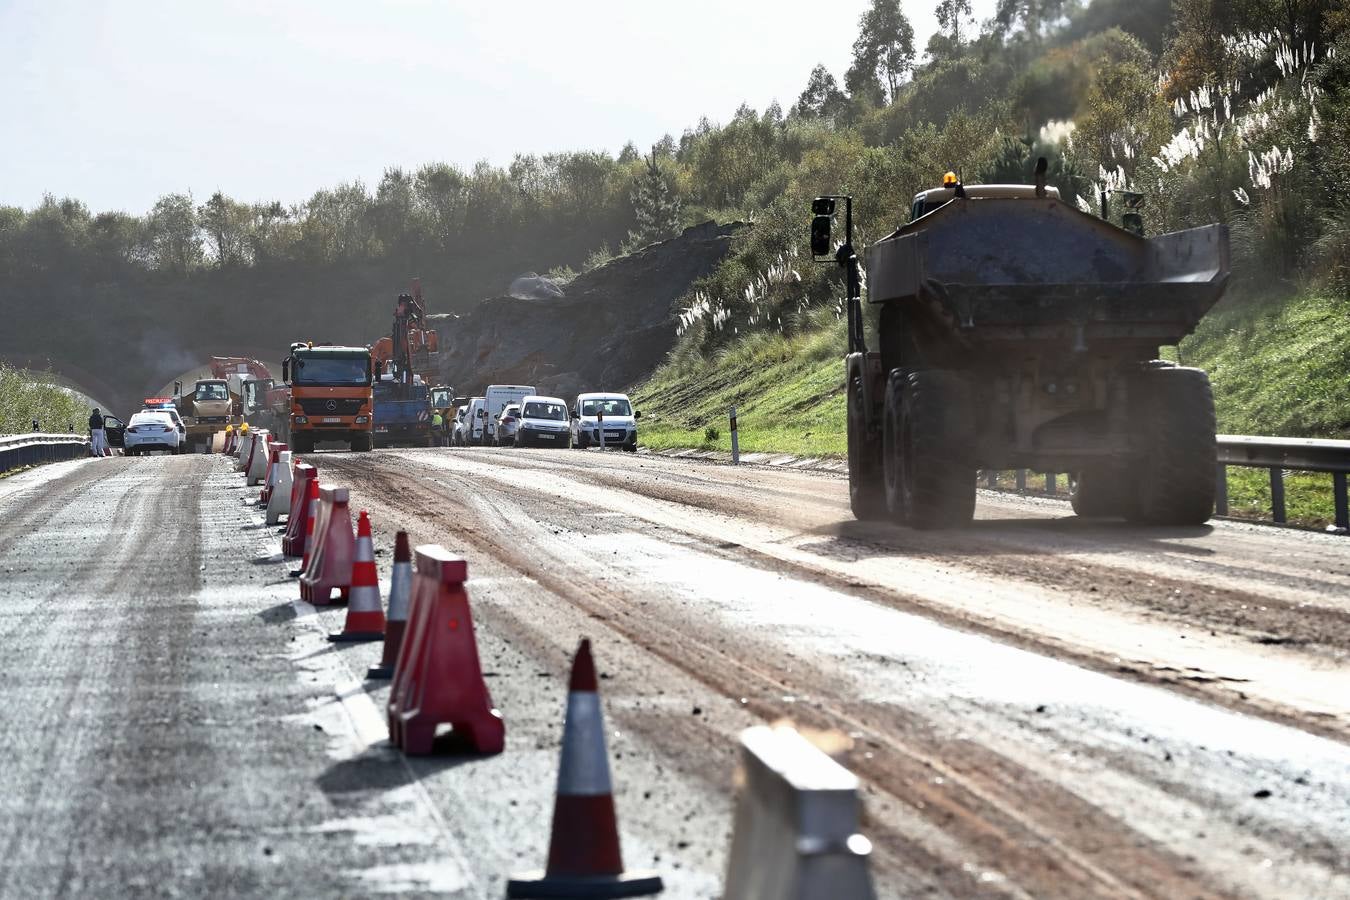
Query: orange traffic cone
(437, 679)
(583, 853)
(400, 588)
(312, 503)
(365, 616)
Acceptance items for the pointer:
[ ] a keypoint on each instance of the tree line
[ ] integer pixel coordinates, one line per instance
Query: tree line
(1214, 110)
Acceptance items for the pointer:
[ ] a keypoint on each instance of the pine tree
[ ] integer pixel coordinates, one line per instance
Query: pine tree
(655, 205)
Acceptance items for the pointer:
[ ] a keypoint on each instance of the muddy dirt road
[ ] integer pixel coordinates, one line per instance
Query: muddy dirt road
(1038, 706)
(1117, 737)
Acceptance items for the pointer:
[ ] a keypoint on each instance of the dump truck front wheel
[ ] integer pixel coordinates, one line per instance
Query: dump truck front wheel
(866, 487)
(1173, 414)
(928, 430)
(362, 442)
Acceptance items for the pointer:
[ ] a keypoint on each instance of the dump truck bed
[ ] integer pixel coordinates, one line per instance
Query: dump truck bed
(1008, 269)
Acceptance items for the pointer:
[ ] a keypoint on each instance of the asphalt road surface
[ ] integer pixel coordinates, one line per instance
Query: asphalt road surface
(1038, 706)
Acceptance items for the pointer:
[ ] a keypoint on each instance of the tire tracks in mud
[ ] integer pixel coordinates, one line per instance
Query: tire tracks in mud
(1039, 836)
(1289, 627)
(1007, 561)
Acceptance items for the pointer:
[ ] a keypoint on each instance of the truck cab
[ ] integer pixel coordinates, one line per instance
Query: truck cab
(206, 410)
(330, 394)
(443, 402)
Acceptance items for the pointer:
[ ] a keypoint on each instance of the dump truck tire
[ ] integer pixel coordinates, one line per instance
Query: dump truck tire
(303, 443)
(362, 443)
(866, 484)
(930, 427)
(1100, 493)
(1173, 412)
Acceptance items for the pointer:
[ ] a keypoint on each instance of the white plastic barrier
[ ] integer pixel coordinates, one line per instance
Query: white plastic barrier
(279, 502)
(796, 834)
(245, 443)
(257, 467)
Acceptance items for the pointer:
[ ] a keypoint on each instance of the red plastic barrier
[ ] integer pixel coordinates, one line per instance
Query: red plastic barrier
(330, 562)
(312, 505)
(437, 678)
(297, 525)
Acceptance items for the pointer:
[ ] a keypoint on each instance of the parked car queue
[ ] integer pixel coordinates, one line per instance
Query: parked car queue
(593, 419)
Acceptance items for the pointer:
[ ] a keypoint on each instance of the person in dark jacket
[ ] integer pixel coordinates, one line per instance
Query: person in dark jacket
(98, 438)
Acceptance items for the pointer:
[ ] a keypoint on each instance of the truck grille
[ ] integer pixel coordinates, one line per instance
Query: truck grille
(318, 406)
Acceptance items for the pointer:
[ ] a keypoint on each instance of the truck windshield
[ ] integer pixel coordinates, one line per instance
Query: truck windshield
(212, 392)
(331, 370)
(610, 406)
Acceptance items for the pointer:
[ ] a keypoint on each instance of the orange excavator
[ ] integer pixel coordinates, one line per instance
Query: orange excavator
(412, 348)
(258, 398)
(405, 362)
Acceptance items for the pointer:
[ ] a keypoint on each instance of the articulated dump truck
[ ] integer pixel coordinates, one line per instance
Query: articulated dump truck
(1014, 331)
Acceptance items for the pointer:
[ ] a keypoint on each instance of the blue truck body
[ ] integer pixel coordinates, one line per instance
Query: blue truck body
(402, 414)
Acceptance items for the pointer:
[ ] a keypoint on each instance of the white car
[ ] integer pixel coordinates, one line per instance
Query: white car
(507, 423)
(151, 430)
(543, 422)
(459, 427)
(615, 410)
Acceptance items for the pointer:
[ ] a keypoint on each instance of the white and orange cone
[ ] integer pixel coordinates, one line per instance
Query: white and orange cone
(365, 614)
(584, 859)
(400, 591)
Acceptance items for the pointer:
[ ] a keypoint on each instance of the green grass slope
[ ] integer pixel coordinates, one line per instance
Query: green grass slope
(788, 391)
(1278, 368)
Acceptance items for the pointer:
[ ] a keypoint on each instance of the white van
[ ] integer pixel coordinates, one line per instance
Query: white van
(474, 423)
(495, 399)
(543, 423)
(618, 415)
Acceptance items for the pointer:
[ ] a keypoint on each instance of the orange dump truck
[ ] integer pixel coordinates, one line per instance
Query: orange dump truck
(330, 395)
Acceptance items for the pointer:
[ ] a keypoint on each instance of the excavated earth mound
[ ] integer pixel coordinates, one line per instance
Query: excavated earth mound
(612, 326)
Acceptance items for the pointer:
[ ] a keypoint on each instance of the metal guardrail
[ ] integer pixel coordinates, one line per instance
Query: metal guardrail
(34, 449)
(1276, 454)
(1279, 455)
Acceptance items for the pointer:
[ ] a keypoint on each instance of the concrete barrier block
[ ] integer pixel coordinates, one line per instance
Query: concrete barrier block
(795, 833)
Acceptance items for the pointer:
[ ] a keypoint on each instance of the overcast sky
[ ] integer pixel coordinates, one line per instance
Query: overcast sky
(116, 103)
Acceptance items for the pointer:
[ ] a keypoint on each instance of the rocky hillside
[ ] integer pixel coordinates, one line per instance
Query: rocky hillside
(608, 329)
